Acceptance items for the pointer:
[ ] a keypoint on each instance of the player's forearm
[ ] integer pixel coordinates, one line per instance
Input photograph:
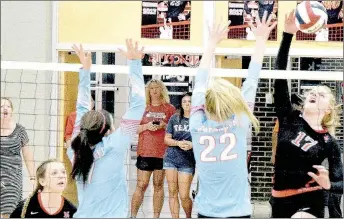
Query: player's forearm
(283, 52)
(68, 143)
(259, 50)
(207, 56)
(138, 98)
(83, 100)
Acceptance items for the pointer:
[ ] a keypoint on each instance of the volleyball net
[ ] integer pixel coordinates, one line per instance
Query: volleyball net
(44, 94)
(332, 32)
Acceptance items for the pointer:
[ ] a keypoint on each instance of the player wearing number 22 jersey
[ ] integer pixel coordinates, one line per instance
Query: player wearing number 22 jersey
(220, 150)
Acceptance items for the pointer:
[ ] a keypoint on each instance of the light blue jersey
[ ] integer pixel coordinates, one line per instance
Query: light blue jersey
(105, 194)
(220, 151)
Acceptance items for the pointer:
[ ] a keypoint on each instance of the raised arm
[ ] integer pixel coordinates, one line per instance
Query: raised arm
(197, 117)
(261, 32)
(281, 95)
(132, 118)
(83, 103)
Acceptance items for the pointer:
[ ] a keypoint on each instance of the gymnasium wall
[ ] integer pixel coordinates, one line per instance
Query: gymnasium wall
(25, 36)
(102, 22)
(111, 22)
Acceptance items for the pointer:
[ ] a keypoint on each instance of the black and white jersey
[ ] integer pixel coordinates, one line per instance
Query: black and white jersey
(300, 147)
(35, 209)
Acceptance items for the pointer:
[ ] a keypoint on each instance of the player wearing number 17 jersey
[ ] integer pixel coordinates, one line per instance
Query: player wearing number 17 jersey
(305, 140)
(219, 124)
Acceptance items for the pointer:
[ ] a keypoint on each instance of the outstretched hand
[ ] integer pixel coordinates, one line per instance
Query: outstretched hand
(322, 177)
(289, 23)
(263, 28)
(218, 32)
(85, 58)
(132, 52)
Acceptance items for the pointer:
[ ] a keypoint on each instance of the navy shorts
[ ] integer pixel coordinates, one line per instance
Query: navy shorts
(168, 164)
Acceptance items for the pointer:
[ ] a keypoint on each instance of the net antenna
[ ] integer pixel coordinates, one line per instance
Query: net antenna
(155, 70)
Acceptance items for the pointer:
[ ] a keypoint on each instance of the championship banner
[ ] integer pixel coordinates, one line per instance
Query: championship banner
(149, 12)
(241, 12)
(166, 19)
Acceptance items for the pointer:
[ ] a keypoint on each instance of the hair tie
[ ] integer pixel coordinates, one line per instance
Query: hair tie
(104, 122)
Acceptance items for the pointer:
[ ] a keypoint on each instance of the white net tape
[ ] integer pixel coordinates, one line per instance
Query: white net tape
(246, 51)
(148, 70)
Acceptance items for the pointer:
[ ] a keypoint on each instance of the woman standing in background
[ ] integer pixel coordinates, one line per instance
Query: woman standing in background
(151, 147)
(14, 140)
(179, 161)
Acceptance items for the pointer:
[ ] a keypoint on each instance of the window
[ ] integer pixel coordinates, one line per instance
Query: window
(108, 59)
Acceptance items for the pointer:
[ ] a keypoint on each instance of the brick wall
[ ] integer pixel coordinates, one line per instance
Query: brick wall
(262, 169)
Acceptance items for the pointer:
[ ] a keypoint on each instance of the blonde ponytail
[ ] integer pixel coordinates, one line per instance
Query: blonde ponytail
(223, 100)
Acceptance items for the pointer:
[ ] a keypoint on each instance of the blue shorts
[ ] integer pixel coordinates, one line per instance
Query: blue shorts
(170, 165)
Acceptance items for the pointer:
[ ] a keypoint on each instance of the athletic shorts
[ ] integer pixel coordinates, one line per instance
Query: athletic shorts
(149, 163)
(168, 164)
(202, 216)
(310, 202)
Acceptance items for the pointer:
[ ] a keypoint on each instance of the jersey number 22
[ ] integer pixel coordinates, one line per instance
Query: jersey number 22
(229, 139)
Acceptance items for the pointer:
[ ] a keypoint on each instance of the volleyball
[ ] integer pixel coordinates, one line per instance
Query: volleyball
(311, 16)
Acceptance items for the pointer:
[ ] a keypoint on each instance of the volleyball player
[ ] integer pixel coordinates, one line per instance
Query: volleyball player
(98, 151)
(219, 123)
(47, 200)
(305, 139)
